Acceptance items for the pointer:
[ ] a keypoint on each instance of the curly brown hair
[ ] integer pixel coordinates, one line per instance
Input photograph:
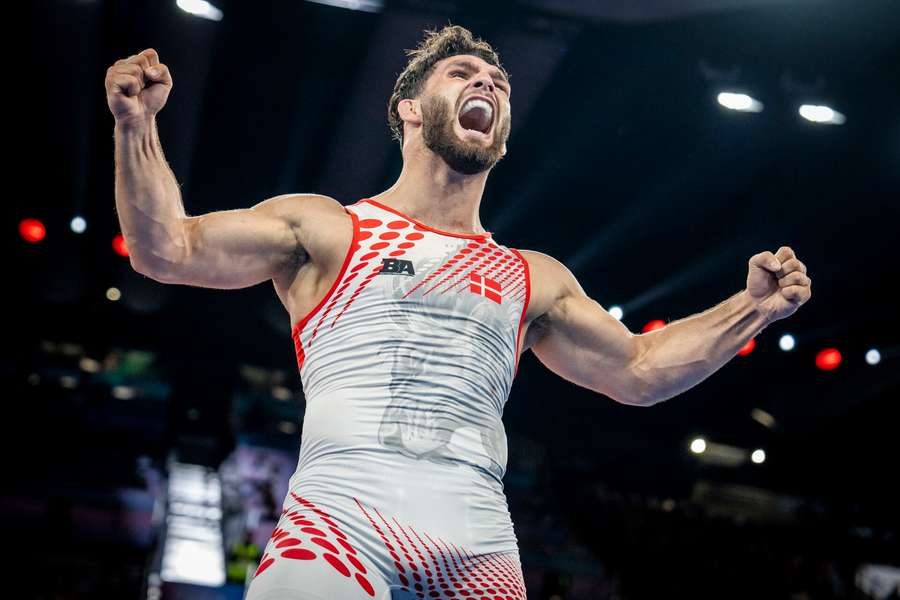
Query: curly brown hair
(434, 47)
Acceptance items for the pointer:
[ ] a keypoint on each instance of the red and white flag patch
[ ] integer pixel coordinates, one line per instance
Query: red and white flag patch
(484, 286)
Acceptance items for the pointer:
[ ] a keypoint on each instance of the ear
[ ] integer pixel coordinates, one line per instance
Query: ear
(410, 111)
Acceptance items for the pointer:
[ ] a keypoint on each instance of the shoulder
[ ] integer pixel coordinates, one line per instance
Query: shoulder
(296, 207)
(320, 224)
(551, 283)
(549, 272)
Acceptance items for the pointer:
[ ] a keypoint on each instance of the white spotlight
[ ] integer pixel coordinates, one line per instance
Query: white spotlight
(200, 8)
(787, 342)
(740, 102)
(113, 294)
(78, 225)
(287, 427)
(698, 446)
(821, 114)
(616, 312)
(763, 418)
(873, 357)
(758, 456)
(372, 6)
(89, 365)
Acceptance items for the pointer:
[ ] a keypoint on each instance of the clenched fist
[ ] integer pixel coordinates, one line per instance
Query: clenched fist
(137, 87)
(778, 283)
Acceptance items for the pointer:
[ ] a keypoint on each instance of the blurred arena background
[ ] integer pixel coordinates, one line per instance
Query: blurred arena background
(655, 147)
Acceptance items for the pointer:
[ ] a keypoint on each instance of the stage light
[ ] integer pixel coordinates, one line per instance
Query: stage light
(78, 224)
(763, 418)
(616, 312)
(200, 8)
(287, 427)
(873, 357)
(828, 359)
(821, 114)
(372, 6)
(32, 230)
(124, 392)
(748, 347)
(739, 102)
(119, 246)
(89, 365)
(655, 324)
(787, 342)
(758, 456)
(279, 392)
(698, 446)
(113, 294)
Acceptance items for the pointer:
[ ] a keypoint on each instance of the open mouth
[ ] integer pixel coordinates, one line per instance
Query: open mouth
(476, 115)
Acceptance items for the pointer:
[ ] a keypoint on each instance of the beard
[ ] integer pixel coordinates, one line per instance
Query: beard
(468, 158)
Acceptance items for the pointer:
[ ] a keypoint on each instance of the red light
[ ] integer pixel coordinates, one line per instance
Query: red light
(32, 230)
(119, 245)
(655, 324)
(748, 347)
(828, 359)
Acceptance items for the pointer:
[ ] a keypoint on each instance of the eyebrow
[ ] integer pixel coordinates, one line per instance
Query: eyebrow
(473, 67)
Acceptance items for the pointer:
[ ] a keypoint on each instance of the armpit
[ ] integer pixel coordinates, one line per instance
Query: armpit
(537, 329)
(296, 259)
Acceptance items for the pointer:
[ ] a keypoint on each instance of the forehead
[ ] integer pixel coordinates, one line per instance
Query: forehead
(468, 61)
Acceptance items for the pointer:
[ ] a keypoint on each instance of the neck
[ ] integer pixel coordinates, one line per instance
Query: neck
(431, 192)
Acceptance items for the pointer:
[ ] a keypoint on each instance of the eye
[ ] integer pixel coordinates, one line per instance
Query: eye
(453, 73)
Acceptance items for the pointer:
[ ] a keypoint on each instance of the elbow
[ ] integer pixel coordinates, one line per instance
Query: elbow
(154, 269)
(640, 389)
(636, 399)
(648, 401)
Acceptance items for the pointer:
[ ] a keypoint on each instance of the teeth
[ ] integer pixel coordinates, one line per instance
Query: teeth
(476, 102)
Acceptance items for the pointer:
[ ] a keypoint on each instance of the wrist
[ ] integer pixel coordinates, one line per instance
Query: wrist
(135, 125)
(753, 309)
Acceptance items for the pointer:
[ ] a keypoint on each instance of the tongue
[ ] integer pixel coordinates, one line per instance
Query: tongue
(475, 118)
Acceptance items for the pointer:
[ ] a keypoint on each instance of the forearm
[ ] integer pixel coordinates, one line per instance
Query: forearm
(680, 355)
(148, 199)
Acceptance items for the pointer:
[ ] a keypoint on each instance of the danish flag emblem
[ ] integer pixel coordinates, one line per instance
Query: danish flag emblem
(484, 287)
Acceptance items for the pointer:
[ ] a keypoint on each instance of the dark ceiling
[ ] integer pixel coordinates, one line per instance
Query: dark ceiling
(621, 164)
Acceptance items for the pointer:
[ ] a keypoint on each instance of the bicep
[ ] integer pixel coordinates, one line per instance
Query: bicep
(235, 248)
(581, 342)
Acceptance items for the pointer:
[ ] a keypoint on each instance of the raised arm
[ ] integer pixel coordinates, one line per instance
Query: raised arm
(573, 336)
(227, 249)
(577, 339)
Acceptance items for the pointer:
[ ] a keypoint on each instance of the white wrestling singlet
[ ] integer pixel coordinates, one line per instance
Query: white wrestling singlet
(406, 365)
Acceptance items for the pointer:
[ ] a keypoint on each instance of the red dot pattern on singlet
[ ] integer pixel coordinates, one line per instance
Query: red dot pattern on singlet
(299, 528)
(394, 238)
(486, 576)
(383, 242)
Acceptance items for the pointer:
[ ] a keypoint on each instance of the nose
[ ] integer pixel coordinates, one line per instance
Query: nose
(483, 80)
